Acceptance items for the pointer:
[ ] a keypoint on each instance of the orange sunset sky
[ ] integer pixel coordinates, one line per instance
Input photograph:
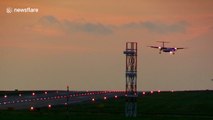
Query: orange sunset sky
(80, 43)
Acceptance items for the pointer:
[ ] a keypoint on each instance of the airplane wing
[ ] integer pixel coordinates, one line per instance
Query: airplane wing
(154, 47)
(179, 48)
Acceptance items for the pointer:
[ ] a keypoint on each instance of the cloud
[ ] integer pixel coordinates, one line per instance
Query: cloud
(94, 28)
(155, 27)
(50, 22)
(51, 25)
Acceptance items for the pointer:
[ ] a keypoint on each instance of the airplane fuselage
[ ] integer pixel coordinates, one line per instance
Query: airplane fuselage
(166, 49)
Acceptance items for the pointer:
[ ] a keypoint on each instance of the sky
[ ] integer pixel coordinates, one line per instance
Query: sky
(80, 43)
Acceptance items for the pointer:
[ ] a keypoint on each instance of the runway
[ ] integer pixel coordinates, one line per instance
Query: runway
(53, 98)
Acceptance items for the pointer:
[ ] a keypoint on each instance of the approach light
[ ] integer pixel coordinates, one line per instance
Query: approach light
(105, 98)
(49, 106)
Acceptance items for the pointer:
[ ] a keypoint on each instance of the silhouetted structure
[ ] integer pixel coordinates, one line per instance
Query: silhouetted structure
(131, 79)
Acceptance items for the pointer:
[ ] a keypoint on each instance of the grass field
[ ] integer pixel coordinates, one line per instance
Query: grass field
(197, 105)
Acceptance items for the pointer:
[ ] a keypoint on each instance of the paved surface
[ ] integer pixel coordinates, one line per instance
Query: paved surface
(52, 98)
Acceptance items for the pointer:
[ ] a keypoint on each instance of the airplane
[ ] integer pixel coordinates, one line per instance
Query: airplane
(162, 48)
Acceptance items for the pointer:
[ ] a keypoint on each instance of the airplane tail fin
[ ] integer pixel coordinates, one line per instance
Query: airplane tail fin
(163, 42)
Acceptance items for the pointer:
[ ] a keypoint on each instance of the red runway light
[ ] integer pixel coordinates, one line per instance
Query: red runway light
(93, 99)
(33, 94)
(31, 108)
(159, 91)
(49, 106)
(5, 96)
(45, 92)
(144, 93)
(151, 92)
(116, 96)
(105, 98)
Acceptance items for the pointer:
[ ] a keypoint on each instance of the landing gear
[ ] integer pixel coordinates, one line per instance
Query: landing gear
(172, 53)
